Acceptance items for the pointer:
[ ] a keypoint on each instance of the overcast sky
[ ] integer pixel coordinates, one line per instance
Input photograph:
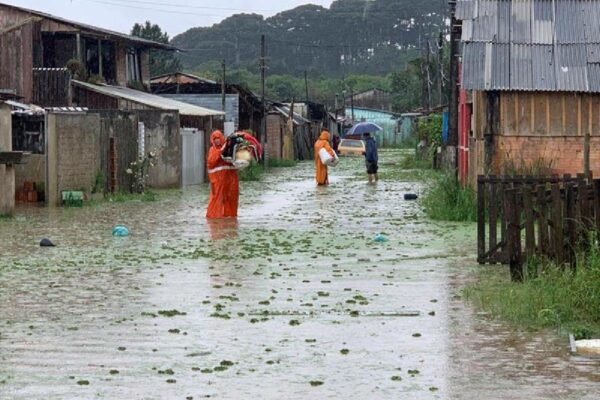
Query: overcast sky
(174, 16)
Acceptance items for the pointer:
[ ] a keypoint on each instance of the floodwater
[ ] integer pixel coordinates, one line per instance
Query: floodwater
(295, 300)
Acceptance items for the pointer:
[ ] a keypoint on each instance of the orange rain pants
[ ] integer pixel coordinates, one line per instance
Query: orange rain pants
(323, 142)
(224, 181)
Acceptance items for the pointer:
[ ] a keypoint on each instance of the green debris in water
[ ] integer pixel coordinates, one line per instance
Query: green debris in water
(344, 351)
(316, 383)
(83, 382)
(171, 313)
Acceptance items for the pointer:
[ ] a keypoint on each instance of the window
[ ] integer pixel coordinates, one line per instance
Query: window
(134, 71)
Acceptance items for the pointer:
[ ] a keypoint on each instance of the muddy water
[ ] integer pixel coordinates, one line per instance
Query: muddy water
(294, 300)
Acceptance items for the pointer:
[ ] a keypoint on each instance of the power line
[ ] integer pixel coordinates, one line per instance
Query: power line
(144, 5)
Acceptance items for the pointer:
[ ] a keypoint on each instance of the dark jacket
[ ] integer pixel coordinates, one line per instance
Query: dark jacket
(371, 150)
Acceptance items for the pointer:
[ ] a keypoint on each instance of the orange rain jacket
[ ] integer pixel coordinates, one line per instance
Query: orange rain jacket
(323, 142)
(224, 182)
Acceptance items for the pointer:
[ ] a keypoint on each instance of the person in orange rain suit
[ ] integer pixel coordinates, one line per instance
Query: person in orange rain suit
(322, 143)
(224, 181)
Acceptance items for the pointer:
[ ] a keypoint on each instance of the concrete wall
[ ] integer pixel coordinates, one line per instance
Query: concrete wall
(73, 153)
(7, 173)
(162, 135)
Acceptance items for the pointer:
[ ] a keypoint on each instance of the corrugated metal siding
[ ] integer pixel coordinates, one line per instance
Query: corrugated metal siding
(570, 24)
(544, 45)
(520, 31)
(474, 66)
(521, 76)
(465, 9)
(501, 67)
(571, 68)
(213, 102)
(485, 27)
(544, 77)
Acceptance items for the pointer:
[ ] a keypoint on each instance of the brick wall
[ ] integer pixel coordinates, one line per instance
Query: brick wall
(562, 154)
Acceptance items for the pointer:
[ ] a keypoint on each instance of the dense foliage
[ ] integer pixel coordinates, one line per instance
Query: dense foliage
(161, 62)
(351, 37)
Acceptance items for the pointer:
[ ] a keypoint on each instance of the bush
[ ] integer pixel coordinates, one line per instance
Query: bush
(550, 298)
(447, 200)
(251, 174)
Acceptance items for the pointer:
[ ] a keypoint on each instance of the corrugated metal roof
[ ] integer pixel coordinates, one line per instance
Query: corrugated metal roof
(465, 9)
(571, 68)
(543, 63)
(150, 100)
(545, 45)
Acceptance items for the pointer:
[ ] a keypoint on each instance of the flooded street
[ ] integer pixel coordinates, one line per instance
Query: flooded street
(295, 300)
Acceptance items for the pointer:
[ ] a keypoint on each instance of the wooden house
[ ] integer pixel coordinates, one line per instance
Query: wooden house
(36, 48)
(530, 87)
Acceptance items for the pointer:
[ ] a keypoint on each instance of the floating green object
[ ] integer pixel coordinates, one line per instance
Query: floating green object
(120, 231)
(72, 198)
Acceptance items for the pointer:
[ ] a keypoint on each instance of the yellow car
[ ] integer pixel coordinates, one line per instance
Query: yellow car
(351, 147)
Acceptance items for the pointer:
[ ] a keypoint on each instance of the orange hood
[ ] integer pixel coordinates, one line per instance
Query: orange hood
(217, 135)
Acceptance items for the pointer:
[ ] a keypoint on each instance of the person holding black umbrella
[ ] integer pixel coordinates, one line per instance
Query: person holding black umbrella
(371, 157)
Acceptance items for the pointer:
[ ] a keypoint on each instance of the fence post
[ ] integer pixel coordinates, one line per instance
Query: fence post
(542, 221)
(480, 219)
(596, 190)
(529, 221)
(571, 213)
(493, 213)
(557, 228)
(513, 236)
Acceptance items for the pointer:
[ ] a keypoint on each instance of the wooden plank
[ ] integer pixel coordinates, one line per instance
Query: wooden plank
(514, 236)
(570, 213)
(564, 115)
(481, 219)
(493, 212)
(596, 201)
(529, 221)
(548, 129)
(503, 186)
(542, 220)
(557, 222)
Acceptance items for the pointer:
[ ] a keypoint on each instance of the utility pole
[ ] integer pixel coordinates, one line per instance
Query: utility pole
(306, 85)
(423, 76)
(455, 34)
(223, 76)
(263, 69)
(428, 76)
(441, 69)
(336, 112)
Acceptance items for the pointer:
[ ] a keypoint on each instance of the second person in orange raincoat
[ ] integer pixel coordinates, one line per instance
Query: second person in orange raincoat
(224, 181)
(322, 143)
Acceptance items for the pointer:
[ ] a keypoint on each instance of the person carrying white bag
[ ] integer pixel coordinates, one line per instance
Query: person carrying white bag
(324, 156)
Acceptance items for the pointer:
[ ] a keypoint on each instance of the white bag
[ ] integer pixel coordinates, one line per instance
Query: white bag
(327, 159)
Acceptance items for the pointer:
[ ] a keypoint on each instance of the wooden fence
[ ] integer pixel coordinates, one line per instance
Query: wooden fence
(525, 217)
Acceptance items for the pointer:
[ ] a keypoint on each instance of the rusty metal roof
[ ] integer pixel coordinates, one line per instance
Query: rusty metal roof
(531, 45)
(85, 28)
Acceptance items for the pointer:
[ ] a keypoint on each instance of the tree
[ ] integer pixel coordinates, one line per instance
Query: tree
(406, 87)
(161, 61)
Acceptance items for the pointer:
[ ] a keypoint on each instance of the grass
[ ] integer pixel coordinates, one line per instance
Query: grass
(550, 298)
(412, 162)
(252, 174)
(280, 163)
(121, 197)
(448, 200)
